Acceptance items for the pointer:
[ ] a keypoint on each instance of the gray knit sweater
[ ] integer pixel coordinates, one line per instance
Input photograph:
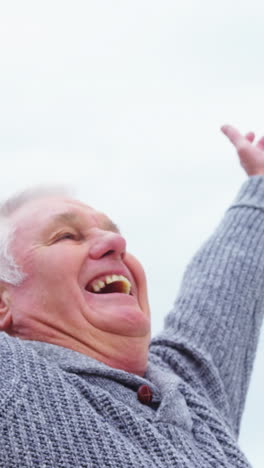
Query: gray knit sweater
(60, 408)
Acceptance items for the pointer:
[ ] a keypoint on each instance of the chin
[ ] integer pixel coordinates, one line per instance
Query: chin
(116, 313)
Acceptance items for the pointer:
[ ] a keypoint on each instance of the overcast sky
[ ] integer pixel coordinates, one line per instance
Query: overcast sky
(124, 100)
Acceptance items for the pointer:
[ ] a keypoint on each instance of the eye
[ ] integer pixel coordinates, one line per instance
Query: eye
(66, 236)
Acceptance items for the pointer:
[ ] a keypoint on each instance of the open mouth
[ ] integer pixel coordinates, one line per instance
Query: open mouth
(110, 284)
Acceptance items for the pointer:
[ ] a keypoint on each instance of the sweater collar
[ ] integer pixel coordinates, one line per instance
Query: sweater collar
(74, 362)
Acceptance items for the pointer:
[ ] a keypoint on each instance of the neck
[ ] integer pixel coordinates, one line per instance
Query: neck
(120, 352)
(126, 353)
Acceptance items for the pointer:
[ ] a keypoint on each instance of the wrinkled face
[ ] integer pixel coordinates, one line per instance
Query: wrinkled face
(79, 276)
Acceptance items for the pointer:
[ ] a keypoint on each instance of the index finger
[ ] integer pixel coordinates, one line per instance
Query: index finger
(232, 133)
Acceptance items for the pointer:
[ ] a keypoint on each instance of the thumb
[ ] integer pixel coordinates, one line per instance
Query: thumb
(232, 134)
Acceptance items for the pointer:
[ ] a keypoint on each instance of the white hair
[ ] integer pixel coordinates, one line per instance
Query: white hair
(10, 272)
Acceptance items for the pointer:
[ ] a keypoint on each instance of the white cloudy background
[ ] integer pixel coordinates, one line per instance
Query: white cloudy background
(124, 99)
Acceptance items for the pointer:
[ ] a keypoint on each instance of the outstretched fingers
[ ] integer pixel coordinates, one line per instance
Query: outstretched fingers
(241, 142)
(237, 138)
(260, 143)
(251, 155)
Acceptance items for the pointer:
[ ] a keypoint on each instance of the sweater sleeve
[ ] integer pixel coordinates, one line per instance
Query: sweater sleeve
(216, 319)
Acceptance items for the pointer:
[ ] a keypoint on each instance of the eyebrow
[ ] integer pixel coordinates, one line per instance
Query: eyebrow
(111, 226)
(70, 217)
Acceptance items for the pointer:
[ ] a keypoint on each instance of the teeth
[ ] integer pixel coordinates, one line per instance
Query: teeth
(100, 284)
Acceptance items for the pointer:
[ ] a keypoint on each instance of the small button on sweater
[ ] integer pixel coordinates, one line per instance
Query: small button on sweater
(62, 409)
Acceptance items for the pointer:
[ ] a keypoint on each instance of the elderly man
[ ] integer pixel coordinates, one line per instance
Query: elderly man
(80, 385)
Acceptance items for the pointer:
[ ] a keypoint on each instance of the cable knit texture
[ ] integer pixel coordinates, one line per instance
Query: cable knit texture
(60, 408)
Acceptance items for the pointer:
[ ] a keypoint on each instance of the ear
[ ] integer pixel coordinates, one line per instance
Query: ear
(5, 313)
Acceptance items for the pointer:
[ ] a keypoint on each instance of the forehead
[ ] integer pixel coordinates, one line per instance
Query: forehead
(40, 213)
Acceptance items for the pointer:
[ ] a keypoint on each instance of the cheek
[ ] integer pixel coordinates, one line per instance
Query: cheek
(138, 273)
(50, 284)
(52, 266)
(43, 296)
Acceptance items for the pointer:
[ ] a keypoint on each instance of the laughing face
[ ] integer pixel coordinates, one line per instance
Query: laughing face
(82, 289)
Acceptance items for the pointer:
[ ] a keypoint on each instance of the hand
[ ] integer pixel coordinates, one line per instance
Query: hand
(251, 156)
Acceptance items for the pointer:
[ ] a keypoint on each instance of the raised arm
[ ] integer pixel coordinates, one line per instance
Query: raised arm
(215, 322)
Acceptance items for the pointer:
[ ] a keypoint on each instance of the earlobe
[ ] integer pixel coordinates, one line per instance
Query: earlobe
(5, 313)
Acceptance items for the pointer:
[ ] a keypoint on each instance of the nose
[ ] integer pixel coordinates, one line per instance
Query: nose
(107, 243)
